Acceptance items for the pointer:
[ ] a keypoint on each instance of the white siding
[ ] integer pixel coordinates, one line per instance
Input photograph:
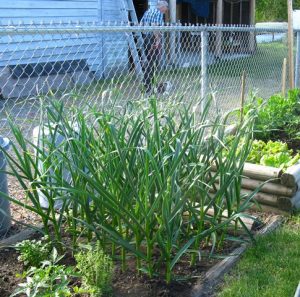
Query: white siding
(103, 52)
(48, 10)
(115, 46)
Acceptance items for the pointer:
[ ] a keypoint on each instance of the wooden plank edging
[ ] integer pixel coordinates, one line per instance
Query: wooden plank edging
(214, 275)
(22, 235)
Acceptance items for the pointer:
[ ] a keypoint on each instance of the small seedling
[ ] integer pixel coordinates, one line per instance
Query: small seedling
(34, 252)
(50, 279)
(96, 270)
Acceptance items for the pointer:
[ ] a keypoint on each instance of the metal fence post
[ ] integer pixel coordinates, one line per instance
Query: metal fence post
(204, 79)
(297, 71)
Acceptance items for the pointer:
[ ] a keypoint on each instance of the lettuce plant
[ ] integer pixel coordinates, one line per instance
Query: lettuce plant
(272, 153)
(276, 115)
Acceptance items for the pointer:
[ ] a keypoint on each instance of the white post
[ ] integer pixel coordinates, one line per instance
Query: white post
(291, 44)
(252, 11)
(220, 12)
(219, 33)
(173, 11)
(172, 35)
(297, 73)
(252, 23)
(204, 78)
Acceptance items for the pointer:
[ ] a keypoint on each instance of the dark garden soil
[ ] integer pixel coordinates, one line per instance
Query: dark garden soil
(128, 284)
(9, 267)
(20, 216)
(293, 144)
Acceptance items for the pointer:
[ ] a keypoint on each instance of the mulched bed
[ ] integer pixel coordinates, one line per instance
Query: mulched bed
(128, 284)
(19, 213)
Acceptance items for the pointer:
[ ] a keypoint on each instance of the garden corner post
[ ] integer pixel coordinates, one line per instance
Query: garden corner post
(220, 11)
(297, 72)
(291, 44)
(173, 36)
(204, 79)
(252, 23)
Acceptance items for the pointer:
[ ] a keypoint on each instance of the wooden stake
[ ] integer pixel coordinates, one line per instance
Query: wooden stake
(283, 79)
(243, 94)
(291, 44)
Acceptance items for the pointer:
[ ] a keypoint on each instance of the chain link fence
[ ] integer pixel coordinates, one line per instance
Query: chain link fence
(94, 64)
(89, 63)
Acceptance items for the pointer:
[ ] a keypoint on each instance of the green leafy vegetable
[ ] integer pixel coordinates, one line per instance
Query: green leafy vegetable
(33, 252)
(49, 280)
(272, 153)
(277, 115)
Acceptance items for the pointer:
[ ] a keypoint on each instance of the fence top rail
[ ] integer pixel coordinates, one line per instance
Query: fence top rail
(73, 28)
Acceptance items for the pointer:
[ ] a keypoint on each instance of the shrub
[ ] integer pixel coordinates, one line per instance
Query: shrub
(96, 270)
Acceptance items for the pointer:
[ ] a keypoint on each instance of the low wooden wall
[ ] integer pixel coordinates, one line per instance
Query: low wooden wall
(279, 191)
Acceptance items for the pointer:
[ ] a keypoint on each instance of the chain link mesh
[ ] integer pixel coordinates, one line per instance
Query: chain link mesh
(92, 64)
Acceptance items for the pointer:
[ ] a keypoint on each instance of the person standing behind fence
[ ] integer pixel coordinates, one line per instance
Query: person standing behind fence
(152, 41)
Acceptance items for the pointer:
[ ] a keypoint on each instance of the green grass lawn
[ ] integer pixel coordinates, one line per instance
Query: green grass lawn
(265, 62)
(269, 269)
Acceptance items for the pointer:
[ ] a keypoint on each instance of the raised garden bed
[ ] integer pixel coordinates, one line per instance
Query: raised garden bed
(197, 281)
(274, 167)
(277, 190)
(152, 187)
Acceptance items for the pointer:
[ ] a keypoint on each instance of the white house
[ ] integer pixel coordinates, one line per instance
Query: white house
(25, 55)
(95, 49)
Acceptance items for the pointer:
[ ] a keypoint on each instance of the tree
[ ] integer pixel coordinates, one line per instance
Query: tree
(273, 10)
